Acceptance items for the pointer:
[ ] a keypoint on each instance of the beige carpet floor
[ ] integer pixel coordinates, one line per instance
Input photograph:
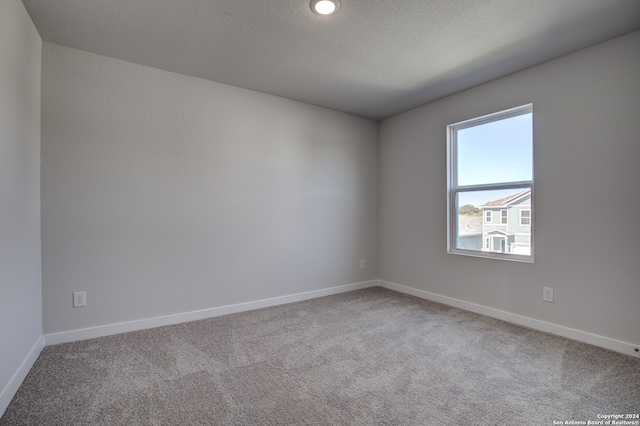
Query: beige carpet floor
(369, 357)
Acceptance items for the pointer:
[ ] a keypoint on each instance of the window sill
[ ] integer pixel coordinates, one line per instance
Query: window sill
(493, 255)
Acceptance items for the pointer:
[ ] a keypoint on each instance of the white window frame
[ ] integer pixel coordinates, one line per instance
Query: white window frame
(488, 216)
(504, 218)
(454, 189)
(528, 217)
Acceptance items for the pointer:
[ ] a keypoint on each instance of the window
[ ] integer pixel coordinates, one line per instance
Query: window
(490, 169)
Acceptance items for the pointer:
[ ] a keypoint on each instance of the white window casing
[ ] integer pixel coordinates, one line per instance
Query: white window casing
(455, 191)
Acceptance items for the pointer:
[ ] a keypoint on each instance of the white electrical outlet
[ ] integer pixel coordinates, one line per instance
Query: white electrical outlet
(79, 299)
(363, 264)
(547, 294)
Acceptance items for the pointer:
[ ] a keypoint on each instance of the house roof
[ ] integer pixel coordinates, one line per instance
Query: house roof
(469, 225)
(506, 201)
(374, 58)
(500, 231)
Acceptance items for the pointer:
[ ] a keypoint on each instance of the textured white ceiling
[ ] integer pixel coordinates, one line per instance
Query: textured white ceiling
(375, 58)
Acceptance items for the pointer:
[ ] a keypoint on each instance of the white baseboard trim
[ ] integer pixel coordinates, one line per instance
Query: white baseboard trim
(559, 330)
(14, 384)
(125, 327)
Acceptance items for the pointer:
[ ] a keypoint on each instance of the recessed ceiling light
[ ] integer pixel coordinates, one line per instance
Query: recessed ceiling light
(325, 7)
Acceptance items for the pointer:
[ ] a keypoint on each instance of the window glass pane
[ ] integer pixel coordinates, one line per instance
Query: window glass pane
(496, 152)
(491, 221)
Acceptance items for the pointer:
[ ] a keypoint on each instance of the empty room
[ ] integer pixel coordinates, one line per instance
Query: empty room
(283, 212)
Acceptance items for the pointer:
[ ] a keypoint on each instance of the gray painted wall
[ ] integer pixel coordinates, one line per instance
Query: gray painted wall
(586, 153)
(164, 194)
(20, 273)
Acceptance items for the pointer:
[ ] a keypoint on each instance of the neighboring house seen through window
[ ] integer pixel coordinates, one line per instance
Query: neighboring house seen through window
(490, 167)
